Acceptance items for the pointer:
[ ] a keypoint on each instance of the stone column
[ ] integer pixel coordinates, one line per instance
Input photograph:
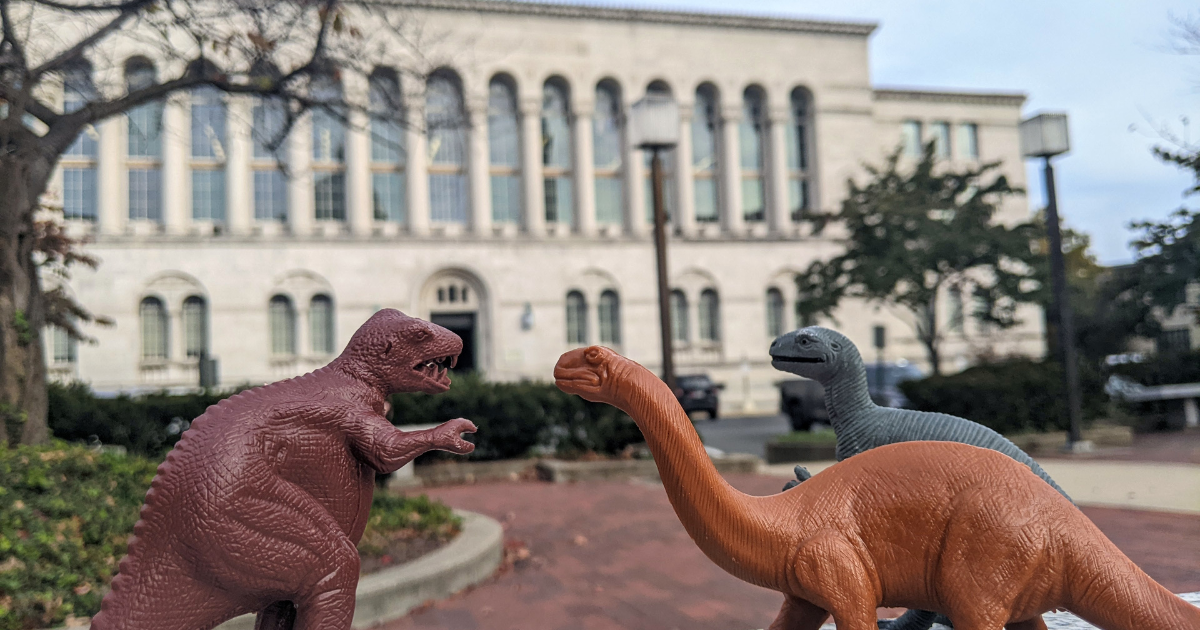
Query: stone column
(585, 174)
(634, 161)
(358, 173)
(779, 214)
(239, 189)
(731, 171)
(300, 186)
(685, 191)
(477, 171)
(176, 174)
(112, 182)
(415, 168)
(531, 167)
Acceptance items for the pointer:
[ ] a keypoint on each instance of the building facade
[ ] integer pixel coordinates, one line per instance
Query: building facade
(506, 203)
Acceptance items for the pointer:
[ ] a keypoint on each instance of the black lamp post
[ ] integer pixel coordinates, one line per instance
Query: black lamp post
(1045, 136)
(654, 126)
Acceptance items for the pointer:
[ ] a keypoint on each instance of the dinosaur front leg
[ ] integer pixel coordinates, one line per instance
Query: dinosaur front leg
(386, 448)
(798, 614)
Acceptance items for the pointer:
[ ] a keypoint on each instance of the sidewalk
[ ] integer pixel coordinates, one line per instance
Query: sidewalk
(612, 555)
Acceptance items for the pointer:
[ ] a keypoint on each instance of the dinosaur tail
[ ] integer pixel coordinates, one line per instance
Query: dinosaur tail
(1108, 590)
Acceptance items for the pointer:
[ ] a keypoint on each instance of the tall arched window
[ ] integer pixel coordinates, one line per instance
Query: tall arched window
(610, 318)
(704, 153)
(576, 318)
(144, 145)
(799, 151)
(269, 122)
(710, 315)
(660, 88)
(679, 317)
(195, 326)
(328, 148)
(504, 150)
(208, 154)
(556, 151)
(79, 160)
(320, 320)
(446, 132)
(282, 321)
(607, 153)
(387, 146)
(153, 315)
(750, 135)
(774, 312)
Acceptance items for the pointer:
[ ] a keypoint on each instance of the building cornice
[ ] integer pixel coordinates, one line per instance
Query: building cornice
(1010, 99)
(649, 16)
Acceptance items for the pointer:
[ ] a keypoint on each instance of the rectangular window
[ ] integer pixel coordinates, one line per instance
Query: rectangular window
(967, 138)
(448, 197)
(85, 145)
(270, 195)
(269, 119)
(753, 204)
(558, 199)
(506, 199)
(910, 137)
(64, 346)
(79, 193)
(145, 126)
(387, 141)
(145, 194)
(941, 139)
(609, 197)
(706, 200)
(208, 129)
(388, 196)
(329, 137)
(798, 197)
(329, 191)
(208, 195)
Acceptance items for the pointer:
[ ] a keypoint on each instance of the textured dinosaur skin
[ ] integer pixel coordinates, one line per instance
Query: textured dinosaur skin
(259, 506)
(831, 359)
(938, 526)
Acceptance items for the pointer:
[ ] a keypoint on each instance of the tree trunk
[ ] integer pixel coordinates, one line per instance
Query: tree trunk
(22, 365)
(927, 332)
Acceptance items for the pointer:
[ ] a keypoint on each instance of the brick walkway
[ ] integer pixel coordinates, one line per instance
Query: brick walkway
(612, 555)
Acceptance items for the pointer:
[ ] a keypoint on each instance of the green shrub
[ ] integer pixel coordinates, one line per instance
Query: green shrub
(824, 436)
(66, 513)
(1009, 397)
(515, 418)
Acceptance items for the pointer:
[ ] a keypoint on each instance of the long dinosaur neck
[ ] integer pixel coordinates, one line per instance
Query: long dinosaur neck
(846, 399)
(730, 527)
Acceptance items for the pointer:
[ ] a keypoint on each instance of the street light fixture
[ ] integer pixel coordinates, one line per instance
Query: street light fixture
(1045, 136)
(654, 126)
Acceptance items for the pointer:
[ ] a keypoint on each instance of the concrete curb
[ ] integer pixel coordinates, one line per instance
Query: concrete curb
(559, 471)
(469, 559)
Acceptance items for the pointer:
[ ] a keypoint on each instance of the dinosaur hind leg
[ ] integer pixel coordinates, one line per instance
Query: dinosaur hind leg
(277, 616)
(798, 614)
(845, 589)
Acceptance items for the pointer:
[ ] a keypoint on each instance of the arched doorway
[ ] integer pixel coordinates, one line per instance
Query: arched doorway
(454, 300)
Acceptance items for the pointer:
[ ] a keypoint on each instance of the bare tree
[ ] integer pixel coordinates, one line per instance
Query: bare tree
(273, 49)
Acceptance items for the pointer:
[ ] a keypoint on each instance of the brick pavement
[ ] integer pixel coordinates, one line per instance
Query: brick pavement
(612, 555)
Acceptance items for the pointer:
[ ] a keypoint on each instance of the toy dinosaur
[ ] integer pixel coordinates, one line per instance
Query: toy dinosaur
(932, 525)
(261, 503)
(831, 359)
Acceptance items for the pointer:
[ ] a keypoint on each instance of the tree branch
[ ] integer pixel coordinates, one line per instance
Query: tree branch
(89, 8)
(130, 10)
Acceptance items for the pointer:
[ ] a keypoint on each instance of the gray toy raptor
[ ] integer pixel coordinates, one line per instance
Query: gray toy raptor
(832, 360)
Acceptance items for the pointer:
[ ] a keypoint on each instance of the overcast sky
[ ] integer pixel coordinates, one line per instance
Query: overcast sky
(1105, 62)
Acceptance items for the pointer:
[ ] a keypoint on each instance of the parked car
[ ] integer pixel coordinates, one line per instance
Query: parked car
(803, 400)
(697, 392)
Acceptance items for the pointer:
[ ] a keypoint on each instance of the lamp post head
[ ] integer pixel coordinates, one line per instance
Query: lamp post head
(1045, 135)
(654, 122)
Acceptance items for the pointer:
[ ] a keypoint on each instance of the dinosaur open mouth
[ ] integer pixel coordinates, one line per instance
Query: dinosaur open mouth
(799, 359)
(435, 369)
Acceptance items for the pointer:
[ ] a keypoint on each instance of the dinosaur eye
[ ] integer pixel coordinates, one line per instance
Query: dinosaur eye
(418, 334)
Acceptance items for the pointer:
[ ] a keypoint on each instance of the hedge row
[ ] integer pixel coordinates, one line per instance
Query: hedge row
(1009, 397)
(513, 418)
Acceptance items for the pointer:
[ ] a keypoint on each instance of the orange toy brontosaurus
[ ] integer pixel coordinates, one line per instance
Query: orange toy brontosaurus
(940, 526)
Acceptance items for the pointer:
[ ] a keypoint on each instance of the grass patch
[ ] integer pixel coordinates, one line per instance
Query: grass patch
(394, 518)
(824, 436)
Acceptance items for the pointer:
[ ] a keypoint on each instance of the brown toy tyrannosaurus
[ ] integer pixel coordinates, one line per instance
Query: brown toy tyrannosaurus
(261, 503)
(939, 526)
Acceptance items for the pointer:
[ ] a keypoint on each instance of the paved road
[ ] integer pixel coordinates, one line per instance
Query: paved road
(742, 435)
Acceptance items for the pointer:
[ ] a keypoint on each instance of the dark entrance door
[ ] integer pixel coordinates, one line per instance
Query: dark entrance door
(463, 325)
